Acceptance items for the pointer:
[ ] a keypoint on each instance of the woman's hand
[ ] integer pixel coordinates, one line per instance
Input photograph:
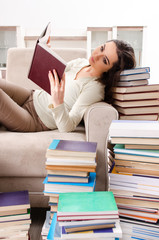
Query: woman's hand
(49, 42)
(57, 88)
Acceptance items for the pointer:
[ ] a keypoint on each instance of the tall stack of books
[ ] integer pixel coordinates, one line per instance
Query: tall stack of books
(14, 215)
(136, 101)
(46, 226)
(71, 167)
(86, 215)
(134, 179)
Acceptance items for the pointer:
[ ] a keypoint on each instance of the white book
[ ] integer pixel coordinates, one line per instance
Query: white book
(134, 128)
(46, 225)
(88, 222)
(136, 190)
(134, 179)
(50, 161)
(136, 77)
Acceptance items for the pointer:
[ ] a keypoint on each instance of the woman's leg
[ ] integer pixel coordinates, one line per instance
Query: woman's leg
(12, 115)
(18, 93)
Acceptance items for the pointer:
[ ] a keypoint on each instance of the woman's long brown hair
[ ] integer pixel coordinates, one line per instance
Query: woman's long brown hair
(126, 60)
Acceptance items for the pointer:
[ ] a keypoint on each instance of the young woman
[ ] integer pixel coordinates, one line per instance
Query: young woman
(83, 83)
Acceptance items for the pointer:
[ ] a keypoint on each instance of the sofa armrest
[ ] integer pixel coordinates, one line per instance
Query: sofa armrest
(97, 119)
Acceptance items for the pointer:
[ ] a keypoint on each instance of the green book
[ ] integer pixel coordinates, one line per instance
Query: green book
(120, 148)
(86, 203)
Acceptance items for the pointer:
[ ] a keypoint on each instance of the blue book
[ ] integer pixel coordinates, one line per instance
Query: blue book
(67, 187)
(139, 70)
(55, 231)
(14, 200)
(51, 233)
(97, 233)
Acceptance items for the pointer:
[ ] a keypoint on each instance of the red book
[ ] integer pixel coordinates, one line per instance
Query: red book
(45, 60)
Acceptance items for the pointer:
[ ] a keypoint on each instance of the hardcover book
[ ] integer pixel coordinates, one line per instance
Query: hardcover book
(136, 95)
(14, 200)
(145, 117)
(72, 148)
(61, 178)
(138, 110)
(132, 128)
(45, 60)
(136, 103)
(55, 231)
(68, 173)
(132, 83)
(70, 186)
(135, 71)
(71, 168)
(87, 203)
(136, 76)
(119, 148)
(136, 89)
(96, 233)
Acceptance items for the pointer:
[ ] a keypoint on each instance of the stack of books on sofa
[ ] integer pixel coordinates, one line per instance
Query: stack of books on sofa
(71, 167)
(86, 215)
(14, 215)
(136, 102)
(134, 179)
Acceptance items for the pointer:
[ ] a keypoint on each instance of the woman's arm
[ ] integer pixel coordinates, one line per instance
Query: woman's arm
(67, 121)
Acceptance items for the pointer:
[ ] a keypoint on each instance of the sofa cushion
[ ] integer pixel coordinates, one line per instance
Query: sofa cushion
(23, 154)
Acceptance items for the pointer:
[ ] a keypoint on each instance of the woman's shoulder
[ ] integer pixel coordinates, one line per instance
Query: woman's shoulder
(77, 63)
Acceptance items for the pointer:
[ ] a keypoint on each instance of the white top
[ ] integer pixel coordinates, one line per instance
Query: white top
(79, 94)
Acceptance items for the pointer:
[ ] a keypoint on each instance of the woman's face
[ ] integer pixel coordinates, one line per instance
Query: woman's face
(103, 57)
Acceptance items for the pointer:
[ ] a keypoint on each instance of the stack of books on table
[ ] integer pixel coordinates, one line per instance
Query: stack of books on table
(136, 102)
(71, 167)
(134, 179)
(14, 215)
(86, 215)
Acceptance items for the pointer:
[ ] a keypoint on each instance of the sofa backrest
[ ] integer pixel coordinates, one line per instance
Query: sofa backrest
(19, 60)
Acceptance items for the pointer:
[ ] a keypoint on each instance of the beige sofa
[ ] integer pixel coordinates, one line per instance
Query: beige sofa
(22, 155)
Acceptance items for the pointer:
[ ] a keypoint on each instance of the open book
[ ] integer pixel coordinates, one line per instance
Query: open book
(45, 60)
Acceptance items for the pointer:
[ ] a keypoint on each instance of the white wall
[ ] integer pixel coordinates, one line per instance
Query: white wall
(71, 17)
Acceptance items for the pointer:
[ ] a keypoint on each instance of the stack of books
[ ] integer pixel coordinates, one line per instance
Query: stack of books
(134, 77)
(14, 215)
(71, 167)
(136, 102)
(46, 226)
(86, 215)
(134, 180)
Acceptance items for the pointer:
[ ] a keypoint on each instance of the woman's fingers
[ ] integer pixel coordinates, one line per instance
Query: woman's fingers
(56, 77)
(57, 88)
(63, 82)
(51, 78)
